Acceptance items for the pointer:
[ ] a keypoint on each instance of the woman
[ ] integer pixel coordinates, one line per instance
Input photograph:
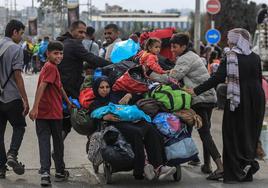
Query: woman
(244, 110)
(139, 135)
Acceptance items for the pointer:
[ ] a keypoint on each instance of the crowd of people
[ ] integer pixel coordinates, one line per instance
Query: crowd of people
(62, 74)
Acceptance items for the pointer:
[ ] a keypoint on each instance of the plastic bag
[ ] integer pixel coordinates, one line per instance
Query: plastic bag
(124, 50)
(168, 124)
(123, 112)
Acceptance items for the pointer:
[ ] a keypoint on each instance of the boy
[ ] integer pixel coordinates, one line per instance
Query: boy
(47, 110)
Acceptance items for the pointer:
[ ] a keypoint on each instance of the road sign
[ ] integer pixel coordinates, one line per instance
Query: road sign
(213, 6)
(213, 36)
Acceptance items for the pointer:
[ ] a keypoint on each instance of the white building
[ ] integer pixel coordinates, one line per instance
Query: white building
(126, 20)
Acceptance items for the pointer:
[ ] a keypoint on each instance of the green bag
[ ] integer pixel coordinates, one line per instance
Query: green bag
(173, 100)
(81, 122)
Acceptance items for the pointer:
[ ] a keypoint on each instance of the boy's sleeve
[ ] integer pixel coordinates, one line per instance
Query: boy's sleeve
(49, 74)
(152, 63)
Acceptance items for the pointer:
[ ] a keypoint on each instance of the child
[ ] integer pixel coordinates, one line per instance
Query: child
(47, 111)
(149, 58)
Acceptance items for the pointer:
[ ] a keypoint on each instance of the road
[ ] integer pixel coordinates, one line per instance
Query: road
(81, 170)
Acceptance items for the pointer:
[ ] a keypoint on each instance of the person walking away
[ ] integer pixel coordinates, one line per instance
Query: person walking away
(89, 42)
(244, 109)
(14, 104)
(47, 111)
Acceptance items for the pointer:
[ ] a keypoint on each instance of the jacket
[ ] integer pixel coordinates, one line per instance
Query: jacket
(71, 67)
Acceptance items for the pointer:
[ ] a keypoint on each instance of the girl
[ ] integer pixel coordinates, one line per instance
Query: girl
(149, 58)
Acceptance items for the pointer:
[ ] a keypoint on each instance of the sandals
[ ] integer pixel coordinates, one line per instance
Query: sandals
(215, 175)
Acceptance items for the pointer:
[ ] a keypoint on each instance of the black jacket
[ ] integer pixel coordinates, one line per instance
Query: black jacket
(71, 67)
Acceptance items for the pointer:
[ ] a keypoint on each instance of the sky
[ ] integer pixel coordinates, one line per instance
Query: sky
(153, 5)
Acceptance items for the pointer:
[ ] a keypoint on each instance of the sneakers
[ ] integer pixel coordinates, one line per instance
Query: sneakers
(18, 167)
(149, 172)
(3, 172)
(45, 180)
(166, 171)
(62, 176)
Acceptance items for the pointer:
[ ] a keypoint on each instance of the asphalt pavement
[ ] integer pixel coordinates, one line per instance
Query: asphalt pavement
(81, 171)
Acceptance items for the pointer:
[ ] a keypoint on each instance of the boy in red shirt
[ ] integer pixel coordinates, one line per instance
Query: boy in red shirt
(47, 111)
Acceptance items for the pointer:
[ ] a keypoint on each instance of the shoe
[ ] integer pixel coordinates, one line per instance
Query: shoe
(59, 177)
(18, 167)
(206, 169)
(166, 171)
(149, 172)
(215, 176)
(3, 172)
(45, 180)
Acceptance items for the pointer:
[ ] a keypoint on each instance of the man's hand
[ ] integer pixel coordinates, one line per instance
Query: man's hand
(190, 91)
(25, 108)
(111, 117)
(33, 114)
(125, 99)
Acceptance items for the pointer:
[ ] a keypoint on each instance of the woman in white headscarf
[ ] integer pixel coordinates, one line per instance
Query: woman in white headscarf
(244, 110)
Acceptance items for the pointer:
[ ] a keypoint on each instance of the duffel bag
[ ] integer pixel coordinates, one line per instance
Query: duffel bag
(86, 97)
(180, 147)
(132, 81)
(114, 71)
(173, 100)
(81, 122)
(151, 107)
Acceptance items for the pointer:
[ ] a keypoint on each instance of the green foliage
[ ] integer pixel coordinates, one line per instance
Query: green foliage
(233, 14)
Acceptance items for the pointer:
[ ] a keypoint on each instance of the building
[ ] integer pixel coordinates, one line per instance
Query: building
(128, 20)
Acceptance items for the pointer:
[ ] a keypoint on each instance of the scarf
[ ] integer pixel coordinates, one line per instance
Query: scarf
(239, 39)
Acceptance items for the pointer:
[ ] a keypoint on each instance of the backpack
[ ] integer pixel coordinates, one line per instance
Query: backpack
(151, 107)
(173, 100)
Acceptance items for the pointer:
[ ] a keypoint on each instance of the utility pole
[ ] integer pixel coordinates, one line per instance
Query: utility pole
(197, 27)
(33, 3)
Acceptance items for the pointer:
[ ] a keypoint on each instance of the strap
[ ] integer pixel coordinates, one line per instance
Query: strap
(169, 97)
(2, 51)
(91, 46)
(183, 100)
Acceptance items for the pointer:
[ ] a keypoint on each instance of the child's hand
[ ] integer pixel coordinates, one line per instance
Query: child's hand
(33, 114)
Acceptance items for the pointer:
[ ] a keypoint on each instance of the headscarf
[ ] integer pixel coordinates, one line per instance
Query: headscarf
(240, 39)
(99, 100)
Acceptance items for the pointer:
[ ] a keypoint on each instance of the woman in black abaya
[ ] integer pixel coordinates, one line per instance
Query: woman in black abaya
(244, 110)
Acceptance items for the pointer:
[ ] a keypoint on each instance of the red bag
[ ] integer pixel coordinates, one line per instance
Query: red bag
(130, 83)
(86, 97)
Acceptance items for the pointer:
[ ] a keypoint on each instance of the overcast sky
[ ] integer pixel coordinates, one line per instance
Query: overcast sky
(153, 5)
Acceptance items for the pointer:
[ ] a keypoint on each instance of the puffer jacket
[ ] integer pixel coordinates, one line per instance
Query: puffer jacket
(189, 68)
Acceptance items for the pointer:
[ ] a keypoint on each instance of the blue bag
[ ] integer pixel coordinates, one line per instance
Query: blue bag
(168, 124)
(180, 147)
(124, 50)
(123, 112)
(73, 101)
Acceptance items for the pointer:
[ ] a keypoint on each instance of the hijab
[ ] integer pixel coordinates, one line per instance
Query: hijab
(240, 44)
(99, 100)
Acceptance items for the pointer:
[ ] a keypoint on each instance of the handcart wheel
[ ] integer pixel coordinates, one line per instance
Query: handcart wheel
(107, 173)
(96, 169)
(177, 175)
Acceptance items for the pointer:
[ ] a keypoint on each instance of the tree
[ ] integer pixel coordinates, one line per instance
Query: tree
(235, 13)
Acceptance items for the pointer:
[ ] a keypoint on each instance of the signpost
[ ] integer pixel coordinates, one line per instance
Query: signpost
(213, 6)
(213, 36)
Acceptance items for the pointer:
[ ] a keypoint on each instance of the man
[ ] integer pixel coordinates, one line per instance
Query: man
(13, 99)
(111, 35)
(71, 67)
(262, 14)
(89, 43)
